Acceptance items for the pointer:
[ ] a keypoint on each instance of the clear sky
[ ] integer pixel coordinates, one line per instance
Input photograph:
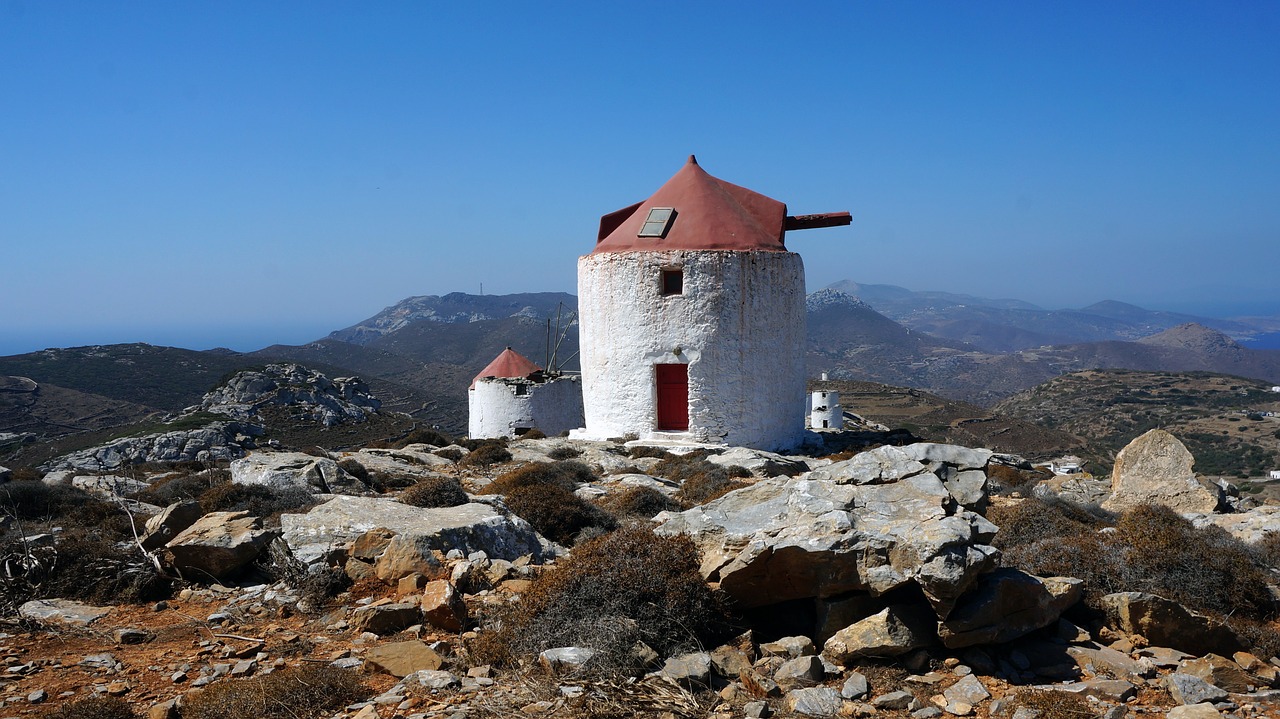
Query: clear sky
(243, 173)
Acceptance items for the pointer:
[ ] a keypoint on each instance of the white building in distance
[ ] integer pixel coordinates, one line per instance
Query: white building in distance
(512, 395)
(692, 318)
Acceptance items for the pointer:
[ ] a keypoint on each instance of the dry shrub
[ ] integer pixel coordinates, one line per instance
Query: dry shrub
(81, 566)
(435, 492)
(700, 481)
(26, 474)
(1005, 478)
(306, 692)
(473, 444)
(613, 591)
(557, 513)
(638, 503)
(256, 499)
(641, 451)
(485, 455)
(1153, 549)
(66, 506)
(1053, 704)
(564, 452)
(566, 475)
(453, 454)
(180, 487)
(1267, 550)
(1034, 519)
(94, 708)
(534, 433)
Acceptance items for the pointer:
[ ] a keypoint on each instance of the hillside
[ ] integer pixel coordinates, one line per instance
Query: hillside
(937, 419)
(1222, 419)
(456, 308)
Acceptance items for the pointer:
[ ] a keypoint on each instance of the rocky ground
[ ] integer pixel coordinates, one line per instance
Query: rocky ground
(864, 583)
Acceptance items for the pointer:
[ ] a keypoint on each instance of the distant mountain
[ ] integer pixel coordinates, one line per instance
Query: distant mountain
(456, 308)
(1011, 325)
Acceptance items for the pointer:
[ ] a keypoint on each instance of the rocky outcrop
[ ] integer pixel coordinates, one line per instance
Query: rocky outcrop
(217, 441)
(166, 525)
(307, 393)
(467, 528)
(784, 539)
(1156, 469)
(961, 470)
(289, 470)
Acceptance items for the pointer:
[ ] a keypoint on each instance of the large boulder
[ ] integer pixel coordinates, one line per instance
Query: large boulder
(214, 442)
(759, 462)
(962, 470)
(295, 470)
(783, 539)
(168, 523)
(1156, 469)
(1007, 604)
(468, 528)
(1165, 623)
(1249, 527)
(217, 545)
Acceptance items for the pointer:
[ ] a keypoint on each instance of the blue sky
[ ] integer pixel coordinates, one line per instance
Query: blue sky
(239, 174)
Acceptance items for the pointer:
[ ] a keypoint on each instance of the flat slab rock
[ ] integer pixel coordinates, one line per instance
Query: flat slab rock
(469, 527)
(782, 539)
(62, 611)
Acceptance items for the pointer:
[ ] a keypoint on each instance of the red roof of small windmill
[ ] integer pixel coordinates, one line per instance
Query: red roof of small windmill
(710, 214)
(508, 364)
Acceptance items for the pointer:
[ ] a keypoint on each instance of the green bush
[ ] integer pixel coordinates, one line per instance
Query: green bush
(435, 492)
(307, 692)
(627, 586)
(94, 708)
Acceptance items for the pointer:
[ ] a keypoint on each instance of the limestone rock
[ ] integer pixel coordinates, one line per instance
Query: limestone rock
(1191, 689)
(893, 632)
(1219, 671)
(799, 672)
(815, 701)
(1156, 469)
(783, 539)
(295, 470)
(405, 555)
(62, 611)
(759, 462)
(1194, 711)
(443, 607)
(400, 659)
(1166, 623)
(217, 545)
(167, 524)
(305, 391)
(876, 466)
(385, 618)
(692, 669)
(968, 690)
(467, 528)
(566, 659)
(1249, 527)
(1006, 604)
(215, 441)
(1105, 660)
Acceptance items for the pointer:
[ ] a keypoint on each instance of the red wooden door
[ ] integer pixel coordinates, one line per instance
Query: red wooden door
(673, 396)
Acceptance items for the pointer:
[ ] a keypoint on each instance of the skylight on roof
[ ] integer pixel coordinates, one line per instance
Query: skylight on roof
(658, 222)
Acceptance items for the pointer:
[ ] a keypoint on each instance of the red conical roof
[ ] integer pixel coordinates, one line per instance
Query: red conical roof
(509, 364)
(710, 214)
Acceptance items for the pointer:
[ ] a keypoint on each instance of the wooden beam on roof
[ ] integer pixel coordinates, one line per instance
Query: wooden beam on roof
(811, 222)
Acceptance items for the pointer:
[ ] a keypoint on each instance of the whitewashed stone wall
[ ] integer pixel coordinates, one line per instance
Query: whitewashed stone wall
(826, 408)
(496, 410)
(739, 324)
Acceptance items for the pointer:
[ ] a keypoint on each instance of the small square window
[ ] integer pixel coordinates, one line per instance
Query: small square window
(658, 222)
(673, 282)
(521, 389)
